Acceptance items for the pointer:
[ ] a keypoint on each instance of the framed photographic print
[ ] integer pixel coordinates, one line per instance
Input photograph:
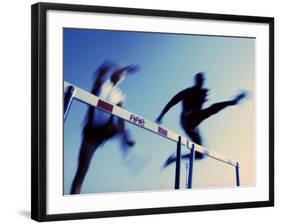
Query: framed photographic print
(139, 111)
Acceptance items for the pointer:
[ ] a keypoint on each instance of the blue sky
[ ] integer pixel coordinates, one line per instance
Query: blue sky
(167, 63)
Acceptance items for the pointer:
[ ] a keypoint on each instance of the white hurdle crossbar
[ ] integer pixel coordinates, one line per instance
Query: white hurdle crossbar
(73, 92)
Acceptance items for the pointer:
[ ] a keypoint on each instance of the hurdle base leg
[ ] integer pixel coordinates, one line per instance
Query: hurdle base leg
(190, 171)
(68, 97)
(178, 160)
(237, 175)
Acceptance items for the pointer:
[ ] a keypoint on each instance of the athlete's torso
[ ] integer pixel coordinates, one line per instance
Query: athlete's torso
(193, 99)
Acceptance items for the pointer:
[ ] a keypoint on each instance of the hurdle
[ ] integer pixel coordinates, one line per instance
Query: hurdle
(72, 92)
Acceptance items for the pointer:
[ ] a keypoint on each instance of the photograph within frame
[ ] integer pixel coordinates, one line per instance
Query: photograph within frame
(164, 59)
(39, 201)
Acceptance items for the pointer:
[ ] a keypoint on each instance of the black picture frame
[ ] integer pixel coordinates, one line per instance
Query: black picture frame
(39, 108)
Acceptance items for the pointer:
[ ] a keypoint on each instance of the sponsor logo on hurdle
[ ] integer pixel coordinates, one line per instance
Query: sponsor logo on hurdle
(206, 152)
(105, 106)
(162, 131)
(137, 120)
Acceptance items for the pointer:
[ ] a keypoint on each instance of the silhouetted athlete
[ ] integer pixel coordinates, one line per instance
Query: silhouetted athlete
(100, 126)
(193, 114)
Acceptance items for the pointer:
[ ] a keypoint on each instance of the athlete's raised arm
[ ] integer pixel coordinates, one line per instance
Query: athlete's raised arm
(175, 100)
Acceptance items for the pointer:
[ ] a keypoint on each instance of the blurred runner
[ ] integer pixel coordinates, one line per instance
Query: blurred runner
(100, 126)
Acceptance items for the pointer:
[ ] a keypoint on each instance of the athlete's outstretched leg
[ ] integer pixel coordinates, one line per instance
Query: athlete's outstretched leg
(86, 153)
(215, 108)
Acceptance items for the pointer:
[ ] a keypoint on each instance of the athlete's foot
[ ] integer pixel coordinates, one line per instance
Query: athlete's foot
(169, 161)
(239, 97)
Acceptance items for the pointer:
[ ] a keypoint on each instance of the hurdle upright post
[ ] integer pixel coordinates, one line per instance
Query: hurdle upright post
(190, 171)
(68, 97)
(178, 164)
(237, 175)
